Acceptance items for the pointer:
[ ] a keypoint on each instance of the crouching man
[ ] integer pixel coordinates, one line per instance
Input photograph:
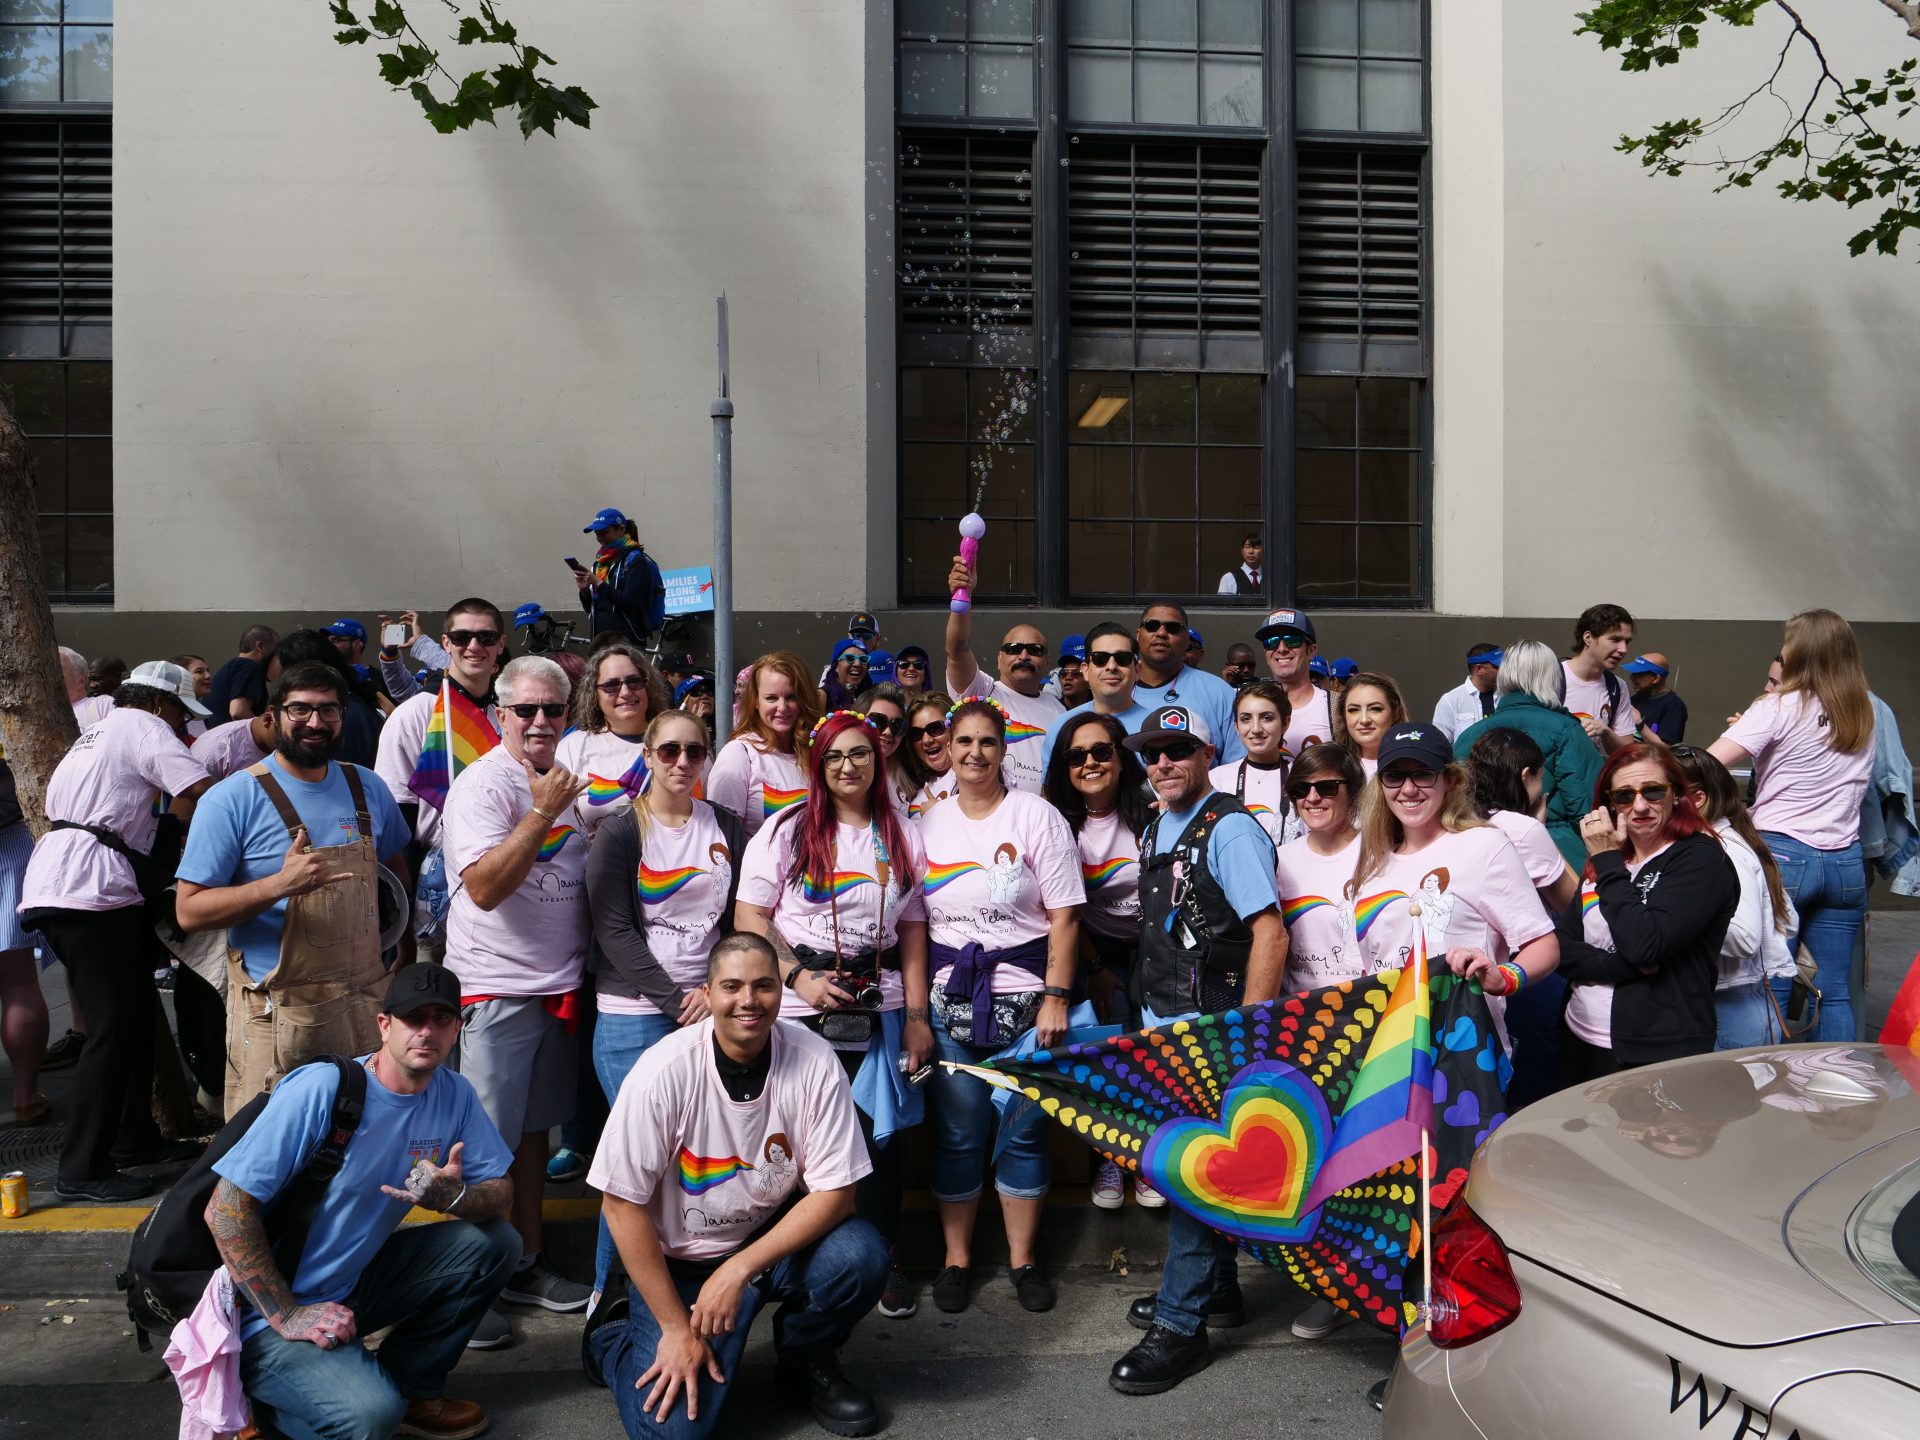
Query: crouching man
(423, 1139)
(728, 1168)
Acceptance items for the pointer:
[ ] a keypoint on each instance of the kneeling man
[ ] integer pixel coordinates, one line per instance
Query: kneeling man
(728, 1168)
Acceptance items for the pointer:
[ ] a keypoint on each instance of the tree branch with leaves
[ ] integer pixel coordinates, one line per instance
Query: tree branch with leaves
(1836, 139)
(408, 61)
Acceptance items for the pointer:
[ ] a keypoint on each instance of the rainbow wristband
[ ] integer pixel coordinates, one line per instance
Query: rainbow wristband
(1516, 977)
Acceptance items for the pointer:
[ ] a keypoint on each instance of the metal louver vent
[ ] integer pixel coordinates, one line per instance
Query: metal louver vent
(56, 222)
(1362, 276)
(966, 234)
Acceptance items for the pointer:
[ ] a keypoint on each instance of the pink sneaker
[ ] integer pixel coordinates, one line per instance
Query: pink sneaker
(1145, 1196)
(1109, 1190)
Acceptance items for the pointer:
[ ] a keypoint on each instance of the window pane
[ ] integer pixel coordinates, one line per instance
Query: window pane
(933, 405)
(933, 79)
(1230, 485)
(29, 64)
(1099, 85)
(1099, 483)
(1323, 410)
(89, 67)
(926, 554)
(1323, 485)
(1003, 80)
(1387, 485)
(1099, 558)
(1166, 22)
(1099, 407)
(29, 9)
(1104, 22)
(933, 480)
(1390, 27)
(1008, 472)
(1164, 482)
(53, 552)
(49, 474)
(36, 387)
(1167, 93)
(1324, 563)
(1002, 405)
(1230, 409)
(1390, 96)
(1163, 559)
(1006, 567)
(1386, 412)
(1219, 553)
(1163, 408)
(1326, 25)
(1327, 94)
(90, 9)
(1230, 91)
(1001, 19)
(1230, 25)
(90, 399)
(1387, 560)
(90, 474)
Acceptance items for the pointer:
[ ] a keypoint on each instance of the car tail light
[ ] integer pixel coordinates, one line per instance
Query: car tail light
(1474, 1292)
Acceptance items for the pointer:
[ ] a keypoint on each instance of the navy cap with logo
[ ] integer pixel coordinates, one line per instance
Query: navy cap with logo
(348, 628)
(1421, 741)
(607, 519)
(848, 646)
(1282, 621)
(1074, 647)
(687, 686)
(862, 624)
(421, 984)
(1170, 722)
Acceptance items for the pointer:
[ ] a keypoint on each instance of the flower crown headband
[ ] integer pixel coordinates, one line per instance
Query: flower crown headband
(1005, 719)
(860, 715)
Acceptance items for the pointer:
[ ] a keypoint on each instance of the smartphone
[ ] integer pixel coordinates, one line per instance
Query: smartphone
(572, 562)
(393, 636)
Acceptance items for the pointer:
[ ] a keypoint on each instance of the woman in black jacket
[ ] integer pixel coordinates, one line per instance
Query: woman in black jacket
(1641, 950)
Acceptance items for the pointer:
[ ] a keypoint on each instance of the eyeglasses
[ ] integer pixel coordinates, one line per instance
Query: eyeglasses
(895, 727)
(1291, 642)
(1100, 750)
(1621, 797)
(859, 759)
(1175, 750)
(298, 710)
(931, 730)
(1024, 647)
(1325, 789)
(527, 712)
(463, 638)
(1421, 779)
(635, 683)
(1154, 627)
(669, 752)
(1100, 659)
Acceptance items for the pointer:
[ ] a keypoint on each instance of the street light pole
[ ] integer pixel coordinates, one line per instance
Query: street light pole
(723, 667)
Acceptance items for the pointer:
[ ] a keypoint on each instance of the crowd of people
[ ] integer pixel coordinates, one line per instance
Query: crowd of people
(532, 894)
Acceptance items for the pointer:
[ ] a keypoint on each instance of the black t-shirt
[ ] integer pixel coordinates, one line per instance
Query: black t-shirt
(238, 679)
(9, 798)
(1665, 715)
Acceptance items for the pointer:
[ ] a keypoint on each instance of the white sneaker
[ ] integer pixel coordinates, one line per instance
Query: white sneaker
(1109, 1190)
(1145, 1196)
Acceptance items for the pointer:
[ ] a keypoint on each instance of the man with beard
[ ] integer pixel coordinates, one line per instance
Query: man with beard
(282, 856)
(1018, 690)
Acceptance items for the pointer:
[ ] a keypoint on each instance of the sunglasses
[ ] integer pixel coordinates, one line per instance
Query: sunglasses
(909, 664)
(1078, 755)
(670, 751)
(1024, 647)
(1100, 659)
(1421, 779)
(895, 727)
(1154, 627)
(1622, 797)
(635, 683)
(527, 712)
(463, 638)
(1291, 642)
(1325, 789)
(1176, 751)
(928, 731)
(852, 657)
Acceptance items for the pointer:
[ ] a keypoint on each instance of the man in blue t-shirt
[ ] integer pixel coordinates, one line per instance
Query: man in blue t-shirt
(1113, 672)
(1165, 638)
(424, 1140)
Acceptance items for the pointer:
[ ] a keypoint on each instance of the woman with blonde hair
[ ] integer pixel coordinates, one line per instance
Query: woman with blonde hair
(762, 769)
(614, 700)
(1366, 710)
(1811, 747)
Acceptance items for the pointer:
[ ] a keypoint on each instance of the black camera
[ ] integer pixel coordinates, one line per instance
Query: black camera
(861, 978)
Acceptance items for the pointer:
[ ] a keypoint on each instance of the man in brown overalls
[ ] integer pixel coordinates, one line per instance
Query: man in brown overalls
(287, 864)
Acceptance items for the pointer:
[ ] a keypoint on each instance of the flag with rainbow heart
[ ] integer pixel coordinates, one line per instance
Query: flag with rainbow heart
(1294, 1126)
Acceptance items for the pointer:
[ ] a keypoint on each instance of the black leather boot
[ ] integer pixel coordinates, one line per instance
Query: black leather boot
(1161, 1361)
(1223, 1313)
(839, 1406)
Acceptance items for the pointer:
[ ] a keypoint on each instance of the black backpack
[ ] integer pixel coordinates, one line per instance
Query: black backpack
(173, 1254)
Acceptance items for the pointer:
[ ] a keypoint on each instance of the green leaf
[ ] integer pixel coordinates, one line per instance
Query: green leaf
(355, 36)
(442, 117)
(343, 14)
(387, 18)
(471, 31)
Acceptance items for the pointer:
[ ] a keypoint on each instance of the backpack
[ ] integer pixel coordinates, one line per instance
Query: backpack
(1613, 696)
(656, 589)
(173, 1254)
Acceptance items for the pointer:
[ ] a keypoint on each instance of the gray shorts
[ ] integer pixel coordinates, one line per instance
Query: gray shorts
(521, 1061)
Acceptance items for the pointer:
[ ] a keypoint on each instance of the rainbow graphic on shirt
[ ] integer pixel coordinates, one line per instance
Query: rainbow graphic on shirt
(843, 881)
(773, 801)
(556, 841)
(1104, 873)
(602, 791)
(1254, 807)
(1292, 910)
(1018, 730)
(1366, 911)
(1589, 901)
(940, 875)
(657, 886)
(700, 1173)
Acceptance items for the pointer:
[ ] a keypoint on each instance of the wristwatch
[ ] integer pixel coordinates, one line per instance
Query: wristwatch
(1056, 992)
(792, 976)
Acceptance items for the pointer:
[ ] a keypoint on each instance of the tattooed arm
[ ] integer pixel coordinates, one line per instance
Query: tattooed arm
(235, 1218)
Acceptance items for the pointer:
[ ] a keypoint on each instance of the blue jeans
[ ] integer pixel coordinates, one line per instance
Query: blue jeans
(1201, 1274)
(1745, 1017)
(431, 1283)
(965, 1125)
(1829, 889)
(1533, 1025)
(618, 1043)
(823, 1292)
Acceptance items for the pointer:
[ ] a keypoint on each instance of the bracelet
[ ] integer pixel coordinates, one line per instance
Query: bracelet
(1516, 977)
(918, 1015)
(1056, 992)
(453, 1204)
(550, 819)
(792, 978)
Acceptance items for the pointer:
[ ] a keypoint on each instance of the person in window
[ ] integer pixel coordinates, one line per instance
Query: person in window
(1246, 578)
(1367, 707)
(761, 770)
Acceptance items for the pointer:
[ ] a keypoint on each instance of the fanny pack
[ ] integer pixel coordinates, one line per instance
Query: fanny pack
(148, 873)
(1013, 1016)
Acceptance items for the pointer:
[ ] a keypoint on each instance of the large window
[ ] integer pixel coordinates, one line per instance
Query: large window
(56, 276)
(1144, 247)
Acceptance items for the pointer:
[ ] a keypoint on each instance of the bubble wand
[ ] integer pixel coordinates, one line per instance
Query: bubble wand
(972, 530)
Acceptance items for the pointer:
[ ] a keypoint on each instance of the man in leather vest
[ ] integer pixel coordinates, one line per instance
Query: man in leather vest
(1210, 938)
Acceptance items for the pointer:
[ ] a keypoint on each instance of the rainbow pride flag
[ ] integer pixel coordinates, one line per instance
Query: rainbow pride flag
(1019, 730)
(700, 1173)
(458, 733)
(602, 791)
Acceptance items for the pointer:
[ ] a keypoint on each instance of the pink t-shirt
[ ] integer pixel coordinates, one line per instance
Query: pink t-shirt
(606, 759)
(401, 735)
(1588, 699)
(534, 942)
(682, 889)
(1310, 724)
(935, 790)
(1262, 791)
(1808, 790)
(1545, 864)
(92, 710)
(990, 882)
(709, 1169)
(805, 915)
(114, 777)
(1321, 948)
(1110, 867)
(1473, 890)
(1029, 717)
(754, 783)
(228, 749)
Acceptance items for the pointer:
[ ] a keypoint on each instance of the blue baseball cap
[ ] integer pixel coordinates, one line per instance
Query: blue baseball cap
(348, 628)
(528, 614)
(1318, 666)
(1194, 636)
(880, 666)
(1345, 667)
(911, 652)
(841, 647)
(1074, 647)
(687, 686)
(1640, 665)
(605, 520)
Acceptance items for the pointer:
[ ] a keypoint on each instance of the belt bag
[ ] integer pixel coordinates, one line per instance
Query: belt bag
(147, 873)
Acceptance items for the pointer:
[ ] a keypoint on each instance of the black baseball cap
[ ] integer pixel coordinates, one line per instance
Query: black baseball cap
(1168, 723)
(421, 984)
(1422, 741)
(1280, 622)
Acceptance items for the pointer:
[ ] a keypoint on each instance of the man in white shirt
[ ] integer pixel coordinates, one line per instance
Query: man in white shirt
(1246, 577)
(1472, 699)
(728, 1167)
(1019, 690)
(1599, 699)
